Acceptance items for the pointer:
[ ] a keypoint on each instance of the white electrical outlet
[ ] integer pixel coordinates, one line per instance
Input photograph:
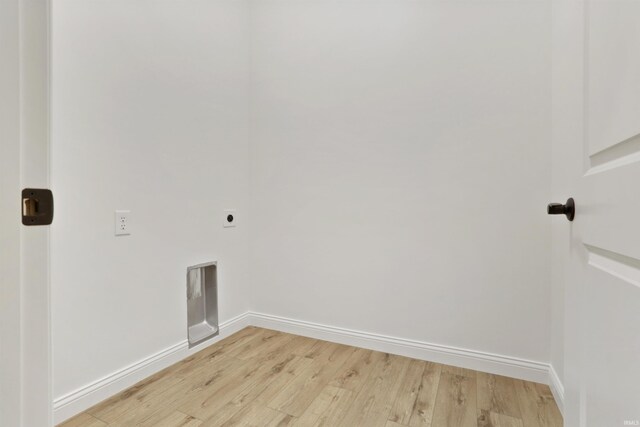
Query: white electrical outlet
(230, 218)
(122, 223)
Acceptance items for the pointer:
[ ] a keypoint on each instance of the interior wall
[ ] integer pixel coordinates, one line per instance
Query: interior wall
(35, 295)
(400, 161)
(10, 343)
(149, 114)
(390, 162)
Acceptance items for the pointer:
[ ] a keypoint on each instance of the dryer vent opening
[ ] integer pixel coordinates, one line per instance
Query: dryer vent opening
(202, 302)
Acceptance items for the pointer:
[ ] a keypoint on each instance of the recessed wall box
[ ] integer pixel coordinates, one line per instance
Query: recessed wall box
(202, 302)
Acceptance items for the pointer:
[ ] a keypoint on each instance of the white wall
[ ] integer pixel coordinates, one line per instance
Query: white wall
(149, 114)
(25, 393)
(391, 159)
(35, 325)
(400, 169)
(10, 354)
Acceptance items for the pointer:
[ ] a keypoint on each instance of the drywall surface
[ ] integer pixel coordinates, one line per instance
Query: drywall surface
(150, 115)
(400, 160)
(391, 159)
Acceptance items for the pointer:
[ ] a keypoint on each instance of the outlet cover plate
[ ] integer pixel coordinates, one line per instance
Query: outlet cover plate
(122, 224)
(230, 218)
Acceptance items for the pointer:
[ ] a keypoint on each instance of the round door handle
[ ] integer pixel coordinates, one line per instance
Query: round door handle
(568, 209)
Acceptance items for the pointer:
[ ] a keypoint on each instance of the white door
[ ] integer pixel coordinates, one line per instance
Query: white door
(596, 132)
(25, 374)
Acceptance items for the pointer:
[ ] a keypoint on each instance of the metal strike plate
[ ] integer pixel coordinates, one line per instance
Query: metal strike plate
(37, 206)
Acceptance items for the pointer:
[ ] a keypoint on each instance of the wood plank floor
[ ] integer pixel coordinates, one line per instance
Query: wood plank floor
(259, 377)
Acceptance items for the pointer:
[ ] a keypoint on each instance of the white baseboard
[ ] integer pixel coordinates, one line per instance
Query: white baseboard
(471, 359)
(556, 388)
(65, 407)
(83, 398)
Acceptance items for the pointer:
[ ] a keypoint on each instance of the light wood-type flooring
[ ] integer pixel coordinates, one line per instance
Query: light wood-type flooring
(259, 377)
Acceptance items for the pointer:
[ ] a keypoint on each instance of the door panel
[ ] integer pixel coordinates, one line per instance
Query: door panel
(612, 69)
(611, 346)
(612, 106)
(609, 213)
(597, 43)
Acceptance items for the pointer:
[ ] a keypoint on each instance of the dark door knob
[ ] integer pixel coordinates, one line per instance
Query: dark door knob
(568, 209)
